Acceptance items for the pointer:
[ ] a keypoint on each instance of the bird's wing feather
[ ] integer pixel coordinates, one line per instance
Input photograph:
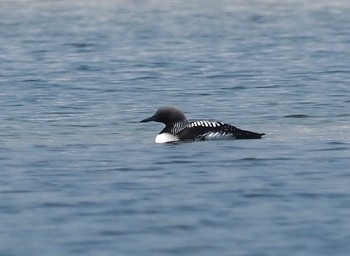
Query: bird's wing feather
(201, 130)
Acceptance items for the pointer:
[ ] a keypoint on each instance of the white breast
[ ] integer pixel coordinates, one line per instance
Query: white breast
(166, 137)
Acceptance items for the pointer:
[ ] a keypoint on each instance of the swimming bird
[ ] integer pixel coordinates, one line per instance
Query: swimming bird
(177, 128)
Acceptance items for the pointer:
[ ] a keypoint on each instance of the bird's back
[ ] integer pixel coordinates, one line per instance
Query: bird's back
(206, 130)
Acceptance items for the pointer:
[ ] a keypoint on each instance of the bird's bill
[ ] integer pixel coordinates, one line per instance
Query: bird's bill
(147, 119)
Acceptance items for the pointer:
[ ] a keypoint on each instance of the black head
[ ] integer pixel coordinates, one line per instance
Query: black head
(166, 115)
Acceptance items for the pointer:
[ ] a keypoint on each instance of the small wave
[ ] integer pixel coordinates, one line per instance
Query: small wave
(296, 116)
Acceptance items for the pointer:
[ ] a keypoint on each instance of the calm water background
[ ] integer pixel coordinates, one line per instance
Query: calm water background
(80, 176)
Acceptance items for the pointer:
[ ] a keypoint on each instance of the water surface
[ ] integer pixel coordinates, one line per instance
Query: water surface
(80, 174)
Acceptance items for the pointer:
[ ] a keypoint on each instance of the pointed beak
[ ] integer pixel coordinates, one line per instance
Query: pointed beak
(147, 119)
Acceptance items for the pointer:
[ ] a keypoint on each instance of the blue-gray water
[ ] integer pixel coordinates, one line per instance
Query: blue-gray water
(80, 176)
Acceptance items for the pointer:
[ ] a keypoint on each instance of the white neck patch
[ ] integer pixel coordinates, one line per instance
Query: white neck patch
(166, 137)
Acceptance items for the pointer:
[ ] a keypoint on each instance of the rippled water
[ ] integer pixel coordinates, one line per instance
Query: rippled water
(80, 174)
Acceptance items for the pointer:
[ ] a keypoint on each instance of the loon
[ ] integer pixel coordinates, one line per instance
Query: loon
(177, 128)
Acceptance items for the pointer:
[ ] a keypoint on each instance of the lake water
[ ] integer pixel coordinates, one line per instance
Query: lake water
(81, 176)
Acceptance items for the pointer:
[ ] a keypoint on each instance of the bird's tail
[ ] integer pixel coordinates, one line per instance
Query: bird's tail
(242, 134)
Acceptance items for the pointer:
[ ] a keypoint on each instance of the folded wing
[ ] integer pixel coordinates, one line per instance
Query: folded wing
(206, 130)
